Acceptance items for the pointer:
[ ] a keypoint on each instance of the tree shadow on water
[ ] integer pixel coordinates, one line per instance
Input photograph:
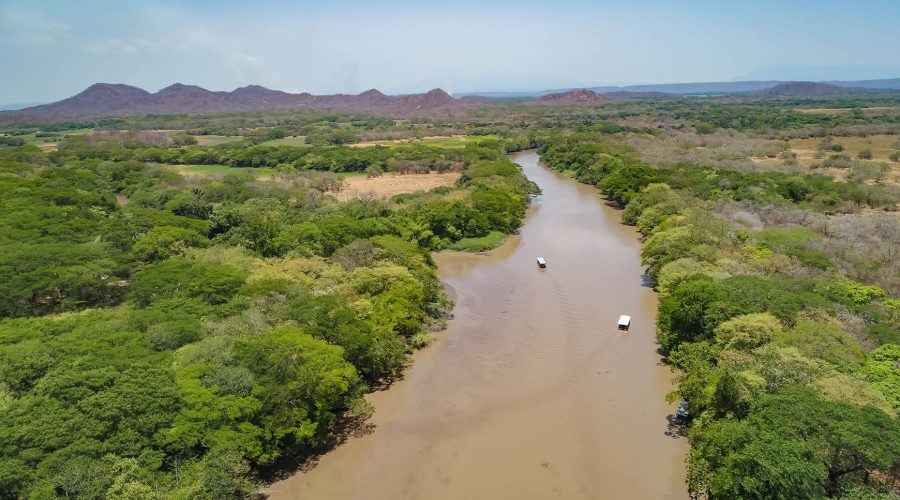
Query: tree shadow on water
(675, 427)
(345, 427)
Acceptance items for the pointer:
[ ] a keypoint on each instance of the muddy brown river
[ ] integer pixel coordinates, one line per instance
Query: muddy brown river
(532, 392)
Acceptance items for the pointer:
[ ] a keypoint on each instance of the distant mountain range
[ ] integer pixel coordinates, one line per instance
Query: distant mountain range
(117, 100)
(695, 88)
(103, 100)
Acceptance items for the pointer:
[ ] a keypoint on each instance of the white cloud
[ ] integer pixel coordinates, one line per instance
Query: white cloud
(29, 27)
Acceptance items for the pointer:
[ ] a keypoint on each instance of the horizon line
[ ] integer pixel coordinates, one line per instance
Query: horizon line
(461, 93)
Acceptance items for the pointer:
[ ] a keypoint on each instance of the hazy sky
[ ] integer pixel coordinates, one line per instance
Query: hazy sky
(53, 49)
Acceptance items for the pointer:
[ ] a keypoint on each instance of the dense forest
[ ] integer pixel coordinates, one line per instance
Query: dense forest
(187, 305)
(166, 336)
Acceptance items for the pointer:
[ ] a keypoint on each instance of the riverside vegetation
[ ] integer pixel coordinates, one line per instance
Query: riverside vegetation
(166, 336)
(786, 338)
(173, 330)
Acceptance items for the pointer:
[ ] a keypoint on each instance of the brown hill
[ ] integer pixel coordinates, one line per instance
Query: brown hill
(116, 100)
(373, 97)
(258, 97)
(577, 96)
(806, 88)
(434, 98)
(177, 98)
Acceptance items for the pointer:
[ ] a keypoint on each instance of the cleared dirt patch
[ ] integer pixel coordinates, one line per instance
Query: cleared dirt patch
(441, 141)
(390, 185)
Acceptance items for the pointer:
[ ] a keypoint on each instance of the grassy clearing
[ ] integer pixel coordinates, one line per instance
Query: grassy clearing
(48, 144)
(77, 131)
(296, 141)
(34, 139)
(203, 170)
(488, 242)
(215, 140)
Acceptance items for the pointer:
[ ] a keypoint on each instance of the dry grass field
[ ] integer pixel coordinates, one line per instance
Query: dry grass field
(810, 156)
(881, 146)
(840, 111)
(390, 185)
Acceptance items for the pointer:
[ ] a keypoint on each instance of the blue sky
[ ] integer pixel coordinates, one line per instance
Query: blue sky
(53, 49)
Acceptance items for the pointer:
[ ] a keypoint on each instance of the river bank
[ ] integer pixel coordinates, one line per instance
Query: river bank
(532, 392)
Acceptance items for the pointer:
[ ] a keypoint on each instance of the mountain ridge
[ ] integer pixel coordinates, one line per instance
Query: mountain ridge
(116, 100)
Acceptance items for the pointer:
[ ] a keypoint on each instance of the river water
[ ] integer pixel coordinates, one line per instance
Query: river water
(532, 392)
